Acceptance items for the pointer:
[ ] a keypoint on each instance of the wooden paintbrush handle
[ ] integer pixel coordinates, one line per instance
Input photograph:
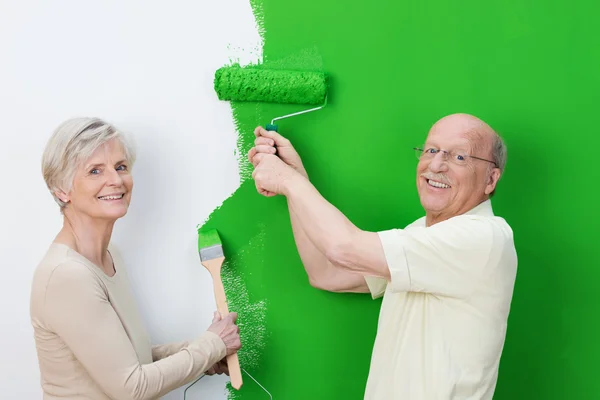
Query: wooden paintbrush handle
(233, 364)
(220, 298)
(235, 374)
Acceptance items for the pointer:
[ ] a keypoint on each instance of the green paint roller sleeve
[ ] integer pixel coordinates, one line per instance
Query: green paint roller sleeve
(254, 84)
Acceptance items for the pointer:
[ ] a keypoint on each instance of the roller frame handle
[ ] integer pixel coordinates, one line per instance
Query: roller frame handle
(273, 127)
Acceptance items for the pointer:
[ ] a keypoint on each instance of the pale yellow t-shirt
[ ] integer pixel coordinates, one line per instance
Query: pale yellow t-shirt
(91, 341)
(443, 319)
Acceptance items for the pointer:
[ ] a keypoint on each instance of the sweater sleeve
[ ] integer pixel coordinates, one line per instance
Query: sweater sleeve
(160, 351)
(77, 309)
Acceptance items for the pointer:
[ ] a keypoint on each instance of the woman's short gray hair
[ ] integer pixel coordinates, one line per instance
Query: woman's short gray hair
(72, 143)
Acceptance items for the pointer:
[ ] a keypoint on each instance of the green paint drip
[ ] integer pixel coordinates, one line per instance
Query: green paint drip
(255, 84)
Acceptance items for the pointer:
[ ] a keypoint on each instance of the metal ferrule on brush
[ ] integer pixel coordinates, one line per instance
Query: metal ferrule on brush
(211, 252)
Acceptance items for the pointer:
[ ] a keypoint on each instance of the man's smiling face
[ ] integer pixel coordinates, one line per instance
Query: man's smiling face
(450, 182)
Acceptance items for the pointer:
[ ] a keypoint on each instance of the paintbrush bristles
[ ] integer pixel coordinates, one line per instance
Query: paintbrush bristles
(208, 237)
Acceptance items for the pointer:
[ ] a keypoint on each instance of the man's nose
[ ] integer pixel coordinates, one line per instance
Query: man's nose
(439, 162)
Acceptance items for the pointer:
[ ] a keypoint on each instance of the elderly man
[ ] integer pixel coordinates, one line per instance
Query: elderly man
(447, 278)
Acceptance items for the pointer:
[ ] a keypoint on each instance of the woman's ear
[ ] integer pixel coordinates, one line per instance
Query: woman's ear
(62, 195)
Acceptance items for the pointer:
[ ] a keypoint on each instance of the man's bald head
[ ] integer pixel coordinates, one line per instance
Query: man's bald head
(485, 141)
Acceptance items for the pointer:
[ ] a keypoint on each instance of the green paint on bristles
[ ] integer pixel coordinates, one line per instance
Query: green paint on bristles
(255, 84)
(207, 238)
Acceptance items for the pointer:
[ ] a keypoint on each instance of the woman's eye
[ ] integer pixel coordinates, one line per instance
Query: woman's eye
(122, 168)
(432, 151)
(460, 157)
(95, 171)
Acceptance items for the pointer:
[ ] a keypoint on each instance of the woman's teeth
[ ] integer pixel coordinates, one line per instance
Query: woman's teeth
(437, 184)
(111, 197)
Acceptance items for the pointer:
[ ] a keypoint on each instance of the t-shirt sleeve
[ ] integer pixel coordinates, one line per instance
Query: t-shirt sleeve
(78, 310)
(448, 258)
(376, 285)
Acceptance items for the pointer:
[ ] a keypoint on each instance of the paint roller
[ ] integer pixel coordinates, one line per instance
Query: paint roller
(254, 84)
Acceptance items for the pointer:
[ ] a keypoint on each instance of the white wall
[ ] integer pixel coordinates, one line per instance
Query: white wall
(147, 66)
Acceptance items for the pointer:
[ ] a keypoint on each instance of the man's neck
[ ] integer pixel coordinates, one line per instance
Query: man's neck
(432, 218)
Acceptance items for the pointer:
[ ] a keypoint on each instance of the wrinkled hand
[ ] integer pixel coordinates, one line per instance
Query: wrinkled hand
(270, 142)
(271, 174)
(219, 368)
(227, 330)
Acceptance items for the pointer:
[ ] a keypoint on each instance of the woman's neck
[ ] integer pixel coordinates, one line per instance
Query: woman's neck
(88, 236)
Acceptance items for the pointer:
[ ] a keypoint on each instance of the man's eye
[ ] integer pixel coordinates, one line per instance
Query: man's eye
(431, 151)
(460, 157)
(95, 171)
(122, 168)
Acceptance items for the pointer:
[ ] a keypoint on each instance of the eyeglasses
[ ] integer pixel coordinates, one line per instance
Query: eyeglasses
(454, 157)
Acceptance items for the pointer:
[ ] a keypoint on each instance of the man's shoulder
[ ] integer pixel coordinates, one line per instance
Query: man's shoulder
(479, 230)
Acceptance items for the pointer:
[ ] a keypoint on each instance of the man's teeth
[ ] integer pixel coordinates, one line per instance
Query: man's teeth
(111, 197)
(438, 184)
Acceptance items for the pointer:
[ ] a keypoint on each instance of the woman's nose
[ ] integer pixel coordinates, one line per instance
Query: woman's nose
(114, 178)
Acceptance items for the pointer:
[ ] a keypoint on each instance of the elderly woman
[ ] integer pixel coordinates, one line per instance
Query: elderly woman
(90, 339)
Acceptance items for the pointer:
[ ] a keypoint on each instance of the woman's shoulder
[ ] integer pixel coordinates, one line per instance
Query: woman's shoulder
(61, 264)
(60, 256)
(61, 274)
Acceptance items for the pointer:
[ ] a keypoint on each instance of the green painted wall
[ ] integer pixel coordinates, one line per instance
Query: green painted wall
(531, 70)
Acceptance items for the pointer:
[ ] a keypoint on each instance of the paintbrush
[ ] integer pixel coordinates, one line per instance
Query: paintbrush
(212, 257)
